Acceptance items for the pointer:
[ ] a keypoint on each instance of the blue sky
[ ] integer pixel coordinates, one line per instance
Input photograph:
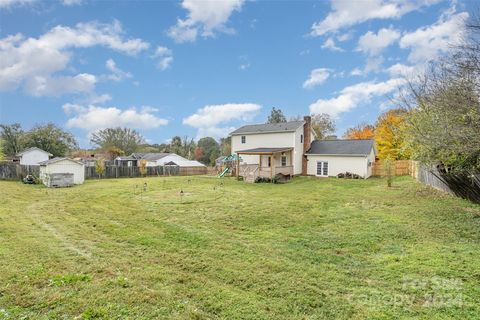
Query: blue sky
(194, 69)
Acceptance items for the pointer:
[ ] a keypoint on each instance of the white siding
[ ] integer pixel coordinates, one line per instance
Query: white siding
(271, 140)
(179, 160)
(33, 157)
(341, 164)
(65, 166)
(298, 151)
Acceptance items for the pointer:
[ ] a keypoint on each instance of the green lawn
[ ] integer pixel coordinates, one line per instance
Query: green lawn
(309, 249)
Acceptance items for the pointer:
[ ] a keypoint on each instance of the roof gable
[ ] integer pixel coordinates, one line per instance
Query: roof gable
(342, 147)
(33, 149)
(55, 160)
(290, 126)
(150, 156)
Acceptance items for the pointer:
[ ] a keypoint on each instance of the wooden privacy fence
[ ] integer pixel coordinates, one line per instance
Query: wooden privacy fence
(401, 168)
(465, 185)
(14, 171)
(124, 172)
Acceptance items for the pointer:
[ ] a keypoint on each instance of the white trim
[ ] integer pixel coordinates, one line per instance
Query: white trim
(321, 168)
(336, 155)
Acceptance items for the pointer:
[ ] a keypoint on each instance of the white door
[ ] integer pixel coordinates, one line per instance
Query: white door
(322, 168)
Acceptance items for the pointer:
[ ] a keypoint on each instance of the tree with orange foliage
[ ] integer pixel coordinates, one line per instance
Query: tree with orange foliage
(390, 135)
(362, 131)
(198, 153)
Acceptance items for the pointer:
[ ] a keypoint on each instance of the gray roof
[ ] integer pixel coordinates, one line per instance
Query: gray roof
(57, 159)
(265, 150)
(150, 156)
(342, 147)
(31, 149)
(268, 127)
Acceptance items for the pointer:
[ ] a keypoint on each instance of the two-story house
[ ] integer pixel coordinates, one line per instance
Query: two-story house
(290, 149)
(272, 148)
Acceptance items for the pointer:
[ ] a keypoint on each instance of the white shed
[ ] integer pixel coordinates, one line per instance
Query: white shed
(63, 165)
(33, 156)
(327, 158)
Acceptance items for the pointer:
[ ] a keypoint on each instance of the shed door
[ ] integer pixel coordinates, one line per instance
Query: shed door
(322, 168)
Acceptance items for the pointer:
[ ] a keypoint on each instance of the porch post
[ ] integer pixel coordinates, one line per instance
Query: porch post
(238, 164)
(271, 166)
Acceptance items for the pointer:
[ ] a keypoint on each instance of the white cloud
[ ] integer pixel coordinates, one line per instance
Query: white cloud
(244, 66)
(402, 70)
(352, 96)
(117, 73)
(92, 118)
(372, 44)
(317, 77)
(208, 118)
(12, 3)
(349, 13)
(57, 86)
(330, 44)
(99, 99)
(165, 56)
(34, 62)
(427, 43)
(346, 36)
(71, 2)
(356, 72)
(204, 18)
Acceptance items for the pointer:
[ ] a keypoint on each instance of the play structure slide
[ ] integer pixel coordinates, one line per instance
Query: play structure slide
(223, 172)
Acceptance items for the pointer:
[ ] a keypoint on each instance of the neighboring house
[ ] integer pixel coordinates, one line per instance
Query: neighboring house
(156, 159)
(63, 165)
(331, 157)
(272, 148)
(33, 156)
(126, 161)
(179, 161)
(152, 159)
(90, 159)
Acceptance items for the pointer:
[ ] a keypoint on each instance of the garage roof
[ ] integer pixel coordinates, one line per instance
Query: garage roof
(342, 147)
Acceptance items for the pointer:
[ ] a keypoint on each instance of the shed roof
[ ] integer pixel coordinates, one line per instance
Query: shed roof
(264, 150)
(185, 163)
(268, 128)
(342, 147)
(32, 149)
(125, 158)
(57, 159)
(150, 156)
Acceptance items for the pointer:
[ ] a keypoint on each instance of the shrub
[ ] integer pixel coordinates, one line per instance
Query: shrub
(262, 180)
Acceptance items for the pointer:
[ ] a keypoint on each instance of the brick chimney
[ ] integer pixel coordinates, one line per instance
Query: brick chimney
(307, 141)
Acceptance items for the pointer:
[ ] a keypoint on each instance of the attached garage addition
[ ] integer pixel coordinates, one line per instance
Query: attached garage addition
(327, 158)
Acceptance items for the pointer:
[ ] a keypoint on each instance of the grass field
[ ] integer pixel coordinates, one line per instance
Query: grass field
(309, 249)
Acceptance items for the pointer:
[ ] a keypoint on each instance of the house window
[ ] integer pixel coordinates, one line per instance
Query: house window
(284, 161)
(269, 161)
(322, 168)
(244, 139)
(301, 138)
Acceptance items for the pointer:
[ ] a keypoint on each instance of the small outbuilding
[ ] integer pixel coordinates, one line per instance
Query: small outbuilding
(63, 165)
(332, 157)
(33, 156)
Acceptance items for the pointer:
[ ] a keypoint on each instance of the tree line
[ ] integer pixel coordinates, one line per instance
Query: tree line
(114, 142)
(111, 142)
